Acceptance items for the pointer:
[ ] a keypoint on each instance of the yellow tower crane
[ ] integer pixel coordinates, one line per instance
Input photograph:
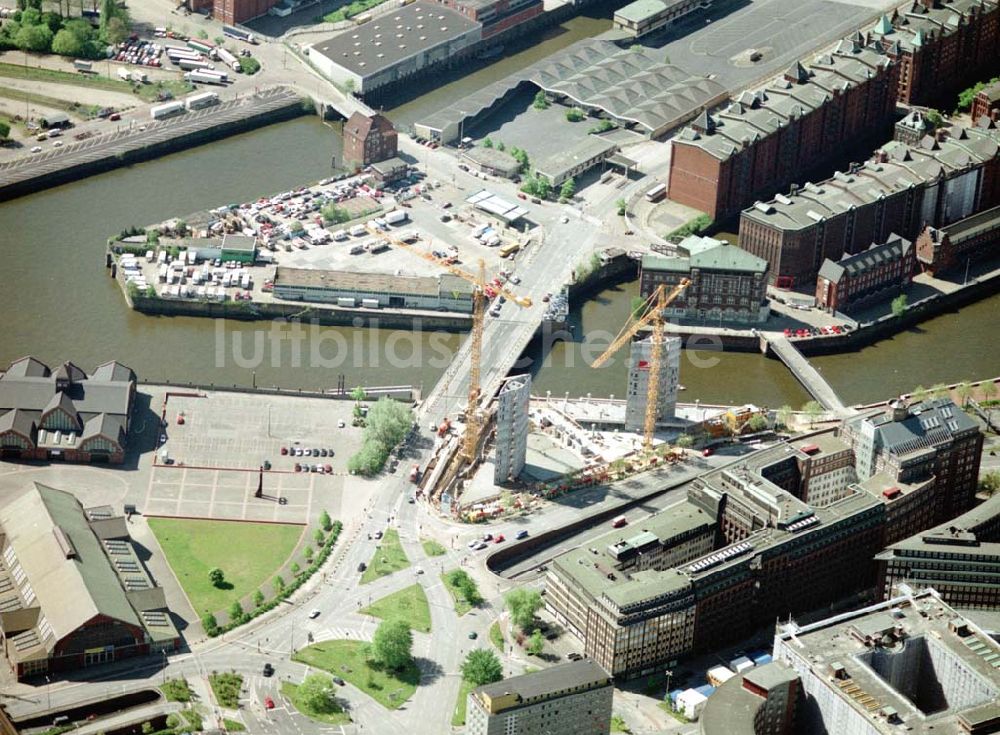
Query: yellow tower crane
(651, 314)
(473, 413)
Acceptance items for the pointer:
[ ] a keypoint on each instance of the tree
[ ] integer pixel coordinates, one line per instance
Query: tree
(209, 623)
(812, 409)
(522, 158)
(216, 576)
(621, 205)
(392, 644)
(964, 392)
(278, 584)
(332, 214)
(939, 390)
(988, 389)
(481, 667)
(989, 483)
(295, 568)
(236, 612)
(487, 143)
(638, 306)
(541, 101)
(318, 537)
(147, 727)
(203, 34)
(535, 643)
(308, 554)
(316, 694)
(899, 305)
(522, 604)
(358, 394)
(34, 38)
(4, 130)
(568, 189)
(757, 422)
(258, 598)
(219, 40)
(934, 118)
(500, 146)
(67, 44)
(684, 441)
(574, 114)
(324, 521)
(249, 65)
(542, 188)
(919, 393)
(117, 30)
(784, 415)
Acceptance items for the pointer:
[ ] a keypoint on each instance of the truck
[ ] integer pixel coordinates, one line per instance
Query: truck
(509, 249)
(415, 474)
(358, 231)
(83, 66)
(167, 109)
(200, 46)
(204, 77)
(396, 216)
(183, 53)
(123, 74)
(370, 303)
(193, 65)
(139, 77)
(231, 61)
(340, 235)
(238, 34)
(376, 246)
(201, 101)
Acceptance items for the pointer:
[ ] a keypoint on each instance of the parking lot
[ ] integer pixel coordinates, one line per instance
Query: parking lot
(215, 454)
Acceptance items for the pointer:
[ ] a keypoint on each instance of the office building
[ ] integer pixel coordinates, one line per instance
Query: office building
(395, 46)
(576, 159)
(913, 443)
(728, 284)
(768, 138)
(497, 16)
(875, 274)
(369, 139)
(960, 559)
(566, 699)
(986, 103)
(373, 290)
(955, 246)
(939, 45)
(761, 701)
(788, 528)
(512, 428)
(646, 16)
(637, 390)
(76, 592)
(900, 190)
(65, 415)
(909, 664)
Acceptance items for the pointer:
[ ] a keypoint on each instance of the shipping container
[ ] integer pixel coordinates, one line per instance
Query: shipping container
(229, 59)
(205, 48)
(340, 235)
(82, 65)
(123, 74)
(348, 301)
(238, 34)
(370, 303)
(205, 76)
(396, 216)
(202, 100)
(358, 231)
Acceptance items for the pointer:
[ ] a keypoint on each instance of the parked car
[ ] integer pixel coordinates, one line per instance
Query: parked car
(268, 669)
(337, 680)
(521, 534)
(378, 535)
(473, 635)
(499, 539)
(284, 451)
(314, 614)
(362, 567)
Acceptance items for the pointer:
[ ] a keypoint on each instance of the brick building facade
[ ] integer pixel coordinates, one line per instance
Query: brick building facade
(369, 139)
(766, 139)
(497, 15)
(940, 250)
(726, 283)
(939, 45)
(986, 103)
(876, 273)
(900, 190)
(233, 11)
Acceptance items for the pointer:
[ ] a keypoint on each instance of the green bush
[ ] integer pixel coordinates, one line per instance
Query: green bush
(387, 423)
(575, 114)
(349, 11)
(226, 688)
(249, 65)
(695, 227)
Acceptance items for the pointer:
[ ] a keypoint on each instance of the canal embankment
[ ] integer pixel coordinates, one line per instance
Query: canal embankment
(157, 138)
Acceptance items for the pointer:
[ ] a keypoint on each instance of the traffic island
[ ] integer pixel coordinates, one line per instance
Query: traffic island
(349, 660)
(408, 604)
(389, 558)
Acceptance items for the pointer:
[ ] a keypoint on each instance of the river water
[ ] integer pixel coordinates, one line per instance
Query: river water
(61, 304)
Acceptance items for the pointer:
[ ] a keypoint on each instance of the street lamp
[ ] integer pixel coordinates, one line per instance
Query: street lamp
(48, 692)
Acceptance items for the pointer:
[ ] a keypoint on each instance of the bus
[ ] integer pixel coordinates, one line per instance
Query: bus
(656, 193)
(509, 249)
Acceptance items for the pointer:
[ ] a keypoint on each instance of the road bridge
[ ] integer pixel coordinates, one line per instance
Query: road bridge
(805, 373)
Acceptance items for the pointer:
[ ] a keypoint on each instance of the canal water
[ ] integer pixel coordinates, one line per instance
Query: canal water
(61, 304)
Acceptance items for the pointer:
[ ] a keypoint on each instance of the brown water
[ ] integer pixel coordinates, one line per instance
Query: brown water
(61, 304)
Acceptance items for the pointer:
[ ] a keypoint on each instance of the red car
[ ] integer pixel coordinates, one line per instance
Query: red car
(788, 332)
(284, 450)
(268, 703)
(298, 467)
(707, 452)
(499, 539)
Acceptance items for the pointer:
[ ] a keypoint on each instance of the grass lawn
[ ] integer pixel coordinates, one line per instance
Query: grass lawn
(248, 553)
(147, 92)
(289, 691)
(409, 604)
(233, 725)
(458, 719)
(496, 636)
(432, 547)
(226, 688)
(348, 659)
(176, 690)
(461, 605)
(20, 95)
(389, 557)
